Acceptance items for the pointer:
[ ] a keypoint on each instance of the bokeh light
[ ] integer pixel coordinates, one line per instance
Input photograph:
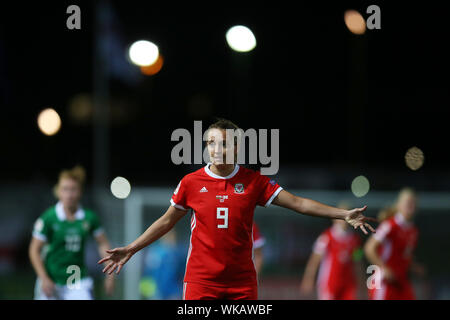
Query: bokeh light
(414, 158)
(120, 188)
(360, 186)
(81, 108)
(143, 53)
(49, 121)
(153, 68)
(240, 39)
(355, 22)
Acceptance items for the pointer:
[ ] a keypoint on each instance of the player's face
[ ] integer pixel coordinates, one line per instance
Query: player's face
(219, 146)
(407, 205)
(69, 192)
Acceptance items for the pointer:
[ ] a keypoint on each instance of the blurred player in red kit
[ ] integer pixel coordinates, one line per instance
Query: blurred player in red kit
(337, 255)
(391, 249)
(221, 198)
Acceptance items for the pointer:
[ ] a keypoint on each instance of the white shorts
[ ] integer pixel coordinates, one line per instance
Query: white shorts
(83, 291)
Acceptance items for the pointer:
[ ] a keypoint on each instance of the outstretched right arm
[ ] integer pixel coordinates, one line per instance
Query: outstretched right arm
(309, 277)
(119, 256)
(34, 252)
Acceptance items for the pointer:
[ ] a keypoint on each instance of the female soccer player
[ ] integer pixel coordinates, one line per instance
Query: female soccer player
(222, 198)
(65, 227)
(336, 256)
(391, 249)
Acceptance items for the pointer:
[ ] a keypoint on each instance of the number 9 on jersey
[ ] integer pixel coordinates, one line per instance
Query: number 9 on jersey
(222, 213)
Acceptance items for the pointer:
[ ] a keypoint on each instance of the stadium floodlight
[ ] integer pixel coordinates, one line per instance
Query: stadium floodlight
(120, 188)
(360, 186)
(355, 22)
(240, 39)
(153, 68)
(143, 53)
(49, 121)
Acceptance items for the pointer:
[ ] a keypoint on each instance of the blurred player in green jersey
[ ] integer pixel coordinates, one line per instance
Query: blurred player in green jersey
(65, 228)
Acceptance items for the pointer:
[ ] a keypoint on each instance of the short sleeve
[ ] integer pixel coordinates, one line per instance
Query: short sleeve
(321, 244)
(96, 228)
(258, 239)
(269, 189)
(41, 229)
(382, 231)
(179, 197)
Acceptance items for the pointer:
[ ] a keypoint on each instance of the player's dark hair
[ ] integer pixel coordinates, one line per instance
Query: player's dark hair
(223, 124)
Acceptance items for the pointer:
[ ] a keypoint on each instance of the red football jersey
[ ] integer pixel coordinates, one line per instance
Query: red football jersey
(337, 279)
(221, 243)
(398, 239)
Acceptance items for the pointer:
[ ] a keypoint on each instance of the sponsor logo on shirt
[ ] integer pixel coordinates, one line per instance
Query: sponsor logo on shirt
(272, 182)
(238, 188)
(203, 189)
(222, 198)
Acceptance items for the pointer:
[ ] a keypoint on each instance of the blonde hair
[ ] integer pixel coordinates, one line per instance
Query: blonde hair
(406, 191)
(77, 173)
(390, 211)
(387, 213)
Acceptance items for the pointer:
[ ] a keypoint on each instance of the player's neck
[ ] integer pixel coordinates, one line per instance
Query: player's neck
(222, 170)
(70, 212)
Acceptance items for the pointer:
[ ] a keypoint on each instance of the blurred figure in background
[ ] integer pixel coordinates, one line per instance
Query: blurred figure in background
(391, 249)
(164, 269)
(337, 255)
(258, 243)
(64, 228)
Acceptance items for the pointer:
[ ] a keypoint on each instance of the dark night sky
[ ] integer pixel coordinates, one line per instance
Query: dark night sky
(338, 99)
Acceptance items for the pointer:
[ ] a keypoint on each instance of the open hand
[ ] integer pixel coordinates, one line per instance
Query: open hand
(48, 286)
(307, 287)
(356, 219)
(117, 258)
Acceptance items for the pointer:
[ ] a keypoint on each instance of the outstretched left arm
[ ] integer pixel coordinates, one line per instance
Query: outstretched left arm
(314, 208)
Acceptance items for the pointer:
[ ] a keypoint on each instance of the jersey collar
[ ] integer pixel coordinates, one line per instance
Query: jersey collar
(62, 215)
(212, 174)
(401, 221)
(338, 232)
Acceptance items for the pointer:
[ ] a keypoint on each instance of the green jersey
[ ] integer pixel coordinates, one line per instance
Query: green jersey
(66, 240)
